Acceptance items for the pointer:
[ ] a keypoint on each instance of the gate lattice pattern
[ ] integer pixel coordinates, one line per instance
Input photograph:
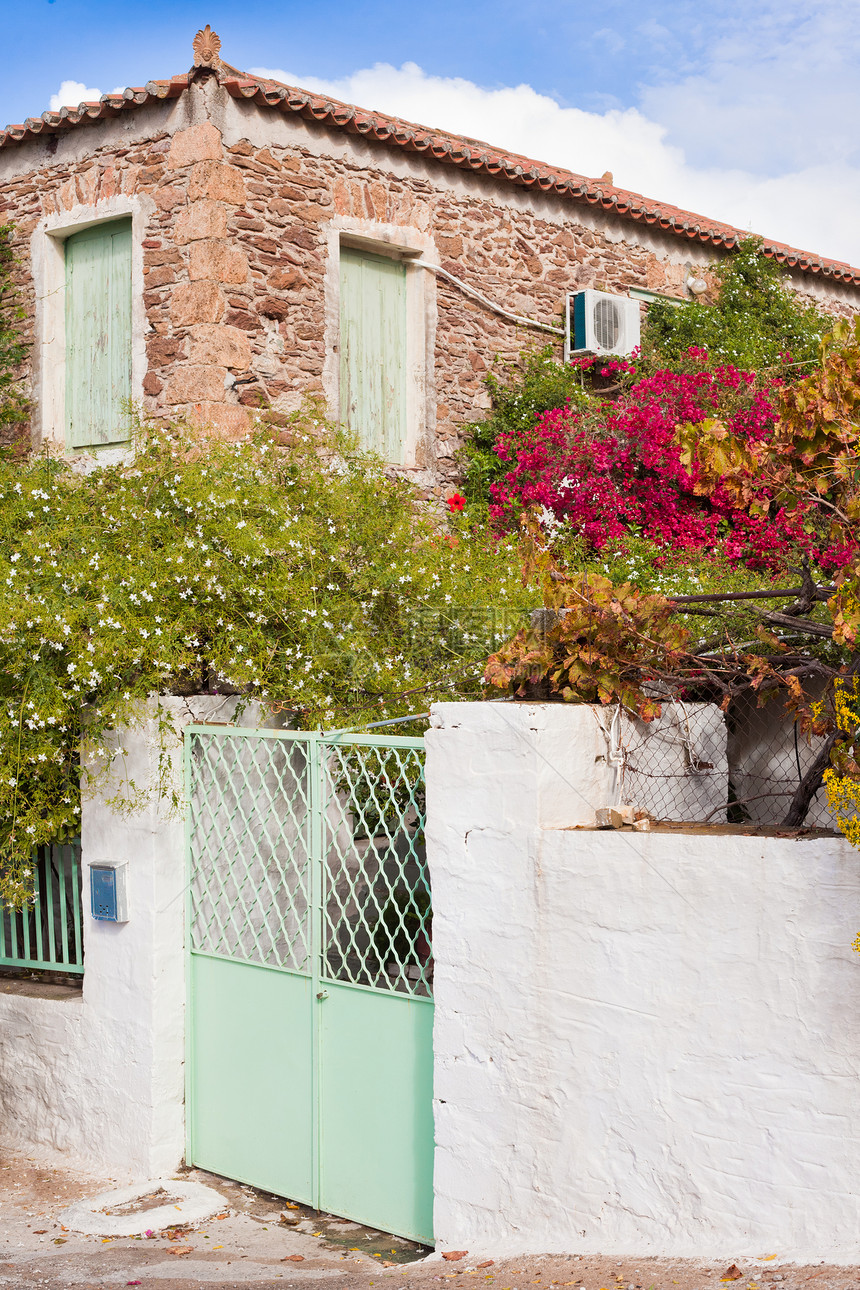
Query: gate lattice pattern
(376, 903)
(262, 805)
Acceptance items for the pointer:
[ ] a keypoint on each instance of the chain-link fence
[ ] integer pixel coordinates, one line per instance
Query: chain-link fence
(696, 763)
(747, 697)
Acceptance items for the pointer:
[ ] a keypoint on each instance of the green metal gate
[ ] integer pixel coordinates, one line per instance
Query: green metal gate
(310, 1060)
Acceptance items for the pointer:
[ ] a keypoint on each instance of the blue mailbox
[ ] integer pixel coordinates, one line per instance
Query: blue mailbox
(108, 895)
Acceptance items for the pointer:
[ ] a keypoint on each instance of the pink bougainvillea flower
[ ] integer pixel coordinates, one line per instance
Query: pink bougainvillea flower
(627, 474)
(456, 502)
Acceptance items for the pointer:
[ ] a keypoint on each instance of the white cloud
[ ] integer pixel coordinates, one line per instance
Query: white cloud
(810, 201)
(71, 93)
(776, 84)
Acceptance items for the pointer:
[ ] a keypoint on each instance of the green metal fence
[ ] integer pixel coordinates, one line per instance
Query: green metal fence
(47, 934)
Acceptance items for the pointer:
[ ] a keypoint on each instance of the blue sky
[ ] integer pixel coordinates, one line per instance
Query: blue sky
(743, 111)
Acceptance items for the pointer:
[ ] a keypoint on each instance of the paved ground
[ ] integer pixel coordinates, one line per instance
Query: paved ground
(249, 1246)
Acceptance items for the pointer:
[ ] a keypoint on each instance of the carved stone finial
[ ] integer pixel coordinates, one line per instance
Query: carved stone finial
(207, 47)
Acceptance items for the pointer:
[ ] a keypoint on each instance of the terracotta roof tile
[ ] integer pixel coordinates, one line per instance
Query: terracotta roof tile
(450, 149)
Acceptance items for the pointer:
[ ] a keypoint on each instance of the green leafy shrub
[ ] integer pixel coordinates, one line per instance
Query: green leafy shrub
(757, 321)
(303, 576)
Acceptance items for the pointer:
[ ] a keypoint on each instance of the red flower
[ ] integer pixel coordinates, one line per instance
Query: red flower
(627, 474)
(456, 502)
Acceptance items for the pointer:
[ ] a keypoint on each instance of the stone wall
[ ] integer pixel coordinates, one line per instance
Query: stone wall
(238, 208)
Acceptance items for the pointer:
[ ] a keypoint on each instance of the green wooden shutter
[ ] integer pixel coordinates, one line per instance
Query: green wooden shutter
(373, 351)
(98, 335)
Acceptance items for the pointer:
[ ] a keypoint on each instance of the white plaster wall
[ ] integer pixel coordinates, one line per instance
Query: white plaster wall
(566, 761)
(100, 1077)
(133, 127)
(644, 1042)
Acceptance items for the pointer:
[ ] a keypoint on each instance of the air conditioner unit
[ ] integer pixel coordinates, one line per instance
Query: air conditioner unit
(599, 323)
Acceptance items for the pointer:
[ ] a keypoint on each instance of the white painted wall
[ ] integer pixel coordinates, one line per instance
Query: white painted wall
(644, 1042)
(100, 1077)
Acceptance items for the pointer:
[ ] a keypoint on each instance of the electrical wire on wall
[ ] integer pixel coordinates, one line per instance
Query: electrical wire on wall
(485, 300)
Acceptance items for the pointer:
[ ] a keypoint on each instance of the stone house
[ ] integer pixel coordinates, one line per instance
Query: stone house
(214, 242)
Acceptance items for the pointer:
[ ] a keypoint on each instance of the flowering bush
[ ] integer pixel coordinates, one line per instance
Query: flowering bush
(808, 465)
(842, 779)
(305, 578)
(520, 392)
(620, 469)
(757, 321)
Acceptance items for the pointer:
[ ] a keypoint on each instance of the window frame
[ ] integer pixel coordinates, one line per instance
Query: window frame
(405, 245)
(396, 329)
(49, 355)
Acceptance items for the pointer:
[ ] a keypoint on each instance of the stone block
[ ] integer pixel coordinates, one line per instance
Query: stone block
(159, 277)
(193, 382)
(220, 182)
(222, 420)
(300, 236)
(272, 307)
(161, 350)
(195, 144)
(241, 318)
(168, 197)
(153, 256)
(621, 816)
(217, 261)
(342, 197)
(107, 184)
(220, 345)
(148, 176)
(308, 212)
(202, 219)
(265, 158)
(252, 394)
(197, 302)
(284, 279)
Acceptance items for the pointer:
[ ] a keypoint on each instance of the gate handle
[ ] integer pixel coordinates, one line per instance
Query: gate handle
(323, 994)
